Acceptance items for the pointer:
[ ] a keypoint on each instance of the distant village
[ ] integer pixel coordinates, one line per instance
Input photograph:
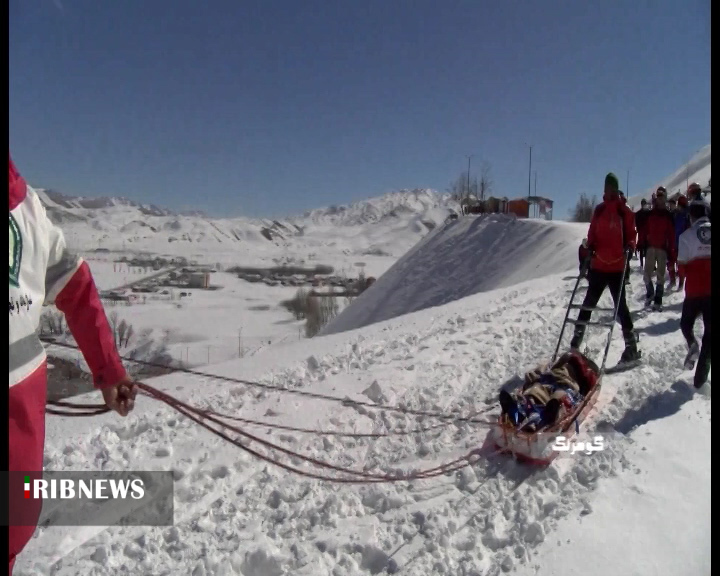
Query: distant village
(319, 277)
(180, 274)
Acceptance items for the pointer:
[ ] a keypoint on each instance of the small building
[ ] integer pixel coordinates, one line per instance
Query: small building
(199, 280)
(520, 207)
(531, 207)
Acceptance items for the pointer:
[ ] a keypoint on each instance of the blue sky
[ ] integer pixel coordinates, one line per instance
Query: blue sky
(272, 107)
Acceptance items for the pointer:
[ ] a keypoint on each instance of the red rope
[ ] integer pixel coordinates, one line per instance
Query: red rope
(205, 418)
(450, 418)
(363, 477)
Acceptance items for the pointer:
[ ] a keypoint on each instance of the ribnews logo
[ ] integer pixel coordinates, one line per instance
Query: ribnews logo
(52, 498)
(97, 489)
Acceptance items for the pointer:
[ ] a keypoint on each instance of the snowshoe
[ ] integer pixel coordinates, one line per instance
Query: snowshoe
(692, 356)
(657, 307)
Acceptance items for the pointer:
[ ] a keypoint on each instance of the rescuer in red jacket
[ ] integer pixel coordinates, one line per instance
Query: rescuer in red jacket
(44, 271)
(661, 250)
(694, 261)
(611, 240)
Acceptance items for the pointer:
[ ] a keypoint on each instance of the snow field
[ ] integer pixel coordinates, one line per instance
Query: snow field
(237, 516)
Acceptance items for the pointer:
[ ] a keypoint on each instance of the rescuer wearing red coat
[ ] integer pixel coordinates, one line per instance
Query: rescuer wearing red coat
(661, 250)
(611, 240)
(44, 271)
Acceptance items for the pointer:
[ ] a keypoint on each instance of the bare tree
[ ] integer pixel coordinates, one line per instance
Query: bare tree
(122, 329)
(459, 188)
(113, 321)
(583, 210)
(486, 184)
(129, 334)
(320, 311)
(52, 322)
(299, 305)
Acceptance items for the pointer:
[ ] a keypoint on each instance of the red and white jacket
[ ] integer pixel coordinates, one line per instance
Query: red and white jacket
(694, 258)
(43, 271)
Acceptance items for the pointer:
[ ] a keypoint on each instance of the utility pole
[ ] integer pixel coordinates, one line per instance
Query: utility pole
(468, 179)
(529, 171)
(627, 184)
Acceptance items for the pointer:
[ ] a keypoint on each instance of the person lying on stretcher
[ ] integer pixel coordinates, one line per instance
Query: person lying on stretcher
(550, 392)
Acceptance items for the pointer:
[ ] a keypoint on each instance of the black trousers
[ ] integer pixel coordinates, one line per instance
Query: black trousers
(691, 310)
(597, 282)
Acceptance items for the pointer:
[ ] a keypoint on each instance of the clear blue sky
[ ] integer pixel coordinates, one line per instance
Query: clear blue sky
(272, 107)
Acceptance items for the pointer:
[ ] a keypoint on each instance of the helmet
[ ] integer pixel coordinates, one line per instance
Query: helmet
(661, 191)
(682, 200)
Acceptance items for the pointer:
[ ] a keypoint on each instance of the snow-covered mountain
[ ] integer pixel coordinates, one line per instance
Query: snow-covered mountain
(410, 203)
(697, 170)
(387, 226)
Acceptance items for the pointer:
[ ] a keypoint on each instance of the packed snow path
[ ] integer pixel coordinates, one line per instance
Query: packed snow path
(237, 516)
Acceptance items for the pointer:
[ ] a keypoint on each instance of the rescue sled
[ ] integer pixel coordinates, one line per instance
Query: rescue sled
(537, 447)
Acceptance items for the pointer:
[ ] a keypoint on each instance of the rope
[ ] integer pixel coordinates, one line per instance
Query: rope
(361, 476)
(97, 409)
(211, 421)
(450, 418)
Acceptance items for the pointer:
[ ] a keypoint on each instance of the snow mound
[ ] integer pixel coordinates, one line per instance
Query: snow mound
(462, 258)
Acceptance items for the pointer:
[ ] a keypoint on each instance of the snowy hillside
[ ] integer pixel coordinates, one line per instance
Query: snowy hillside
(639, 507)
(463, 258)
(370, 231)
(696, 170)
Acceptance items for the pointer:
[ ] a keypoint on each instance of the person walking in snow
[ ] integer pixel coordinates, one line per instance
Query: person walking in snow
(694, 260)
(640, 223)
(660, 241)
(44, 271)
(583, 254)
(681, 222)
(694, 192)
(611, 241)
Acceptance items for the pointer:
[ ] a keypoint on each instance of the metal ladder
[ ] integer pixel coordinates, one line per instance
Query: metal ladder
(607, 324)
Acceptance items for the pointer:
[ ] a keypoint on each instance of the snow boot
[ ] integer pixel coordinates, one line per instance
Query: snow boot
(649, 294)
(552, 409)
(701, 373)
(692, 356)
(631, 352)
(658, 300)
(577, 338)
(510, 406)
